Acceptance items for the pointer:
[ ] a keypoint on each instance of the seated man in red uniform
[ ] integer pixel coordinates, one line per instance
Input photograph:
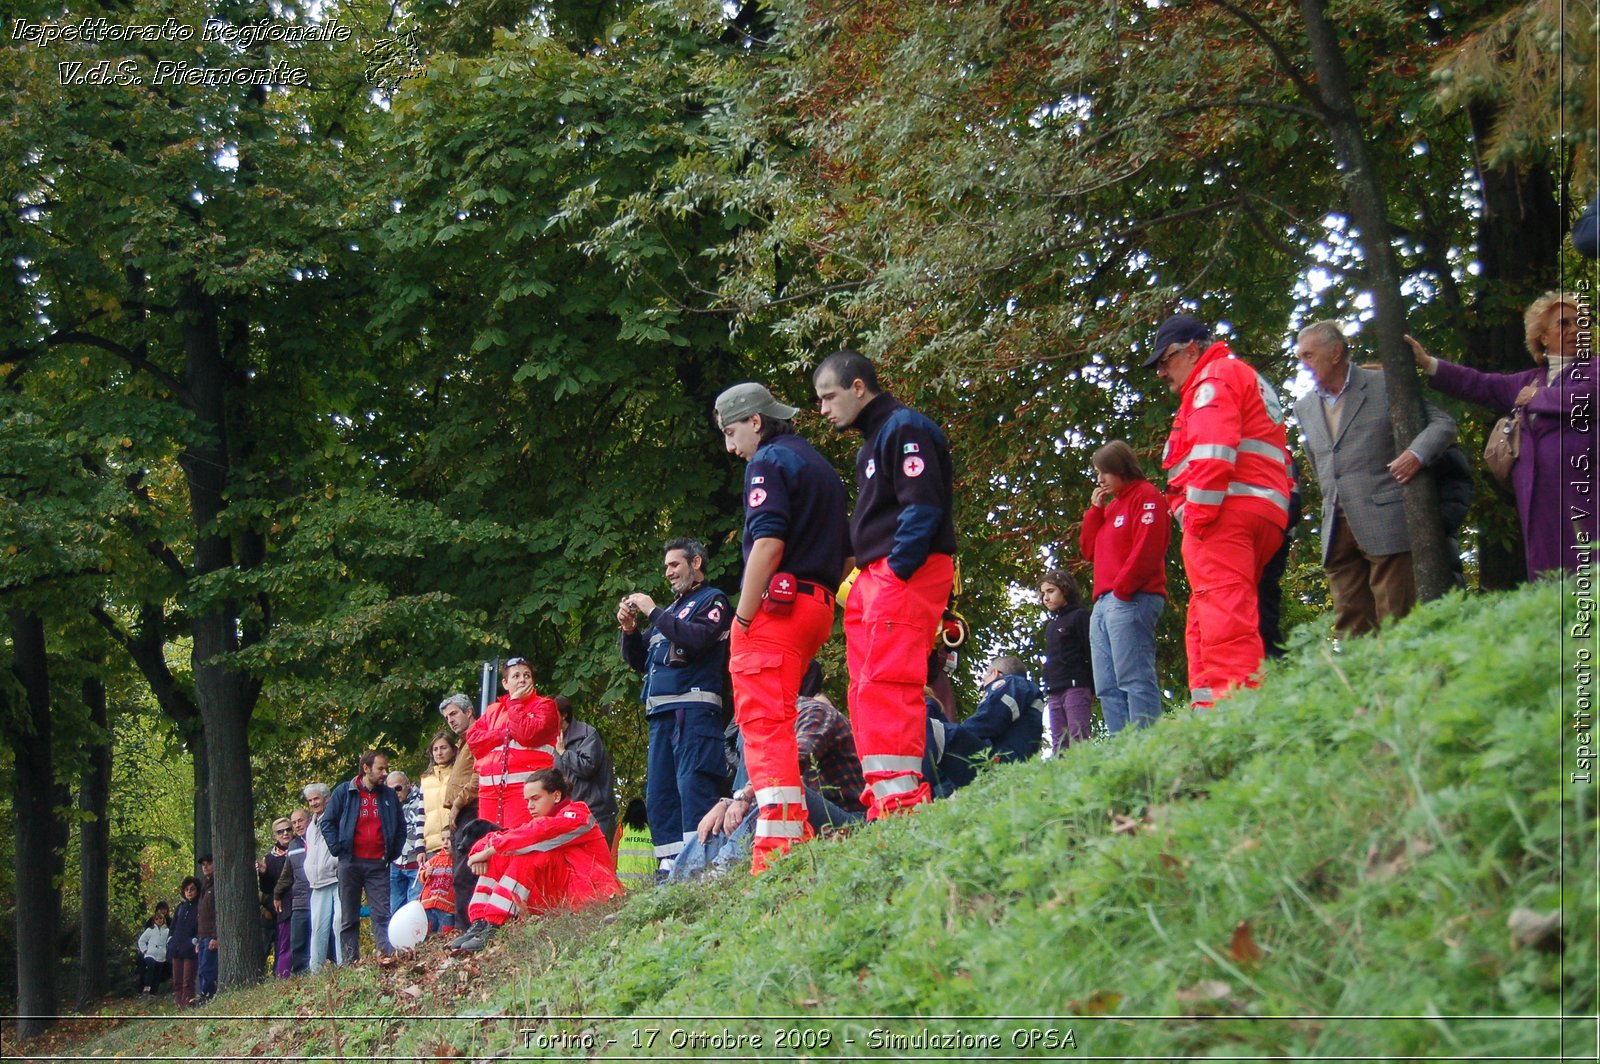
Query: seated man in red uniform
(558, 859)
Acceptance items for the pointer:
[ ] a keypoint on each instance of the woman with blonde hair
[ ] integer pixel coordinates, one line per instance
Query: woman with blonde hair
(1554, 473)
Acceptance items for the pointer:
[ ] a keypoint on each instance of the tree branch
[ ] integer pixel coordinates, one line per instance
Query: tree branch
(127, 354)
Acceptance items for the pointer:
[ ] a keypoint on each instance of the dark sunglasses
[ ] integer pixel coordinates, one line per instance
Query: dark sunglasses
(511, 662)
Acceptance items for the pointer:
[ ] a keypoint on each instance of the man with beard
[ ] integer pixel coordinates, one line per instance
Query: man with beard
(684, 662)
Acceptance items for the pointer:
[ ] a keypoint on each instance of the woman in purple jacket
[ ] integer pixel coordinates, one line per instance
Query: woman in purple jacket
(1553, 477)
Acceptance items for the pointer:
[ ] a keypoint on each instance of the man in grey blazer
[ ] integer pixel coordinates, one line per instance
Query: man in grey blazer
(1366, 549)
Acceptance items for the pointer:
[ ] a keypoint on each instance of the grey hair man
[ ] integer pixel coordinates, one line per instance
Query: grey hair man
(322, 875)
(404, 882)
(461, 795)
(1366, 547)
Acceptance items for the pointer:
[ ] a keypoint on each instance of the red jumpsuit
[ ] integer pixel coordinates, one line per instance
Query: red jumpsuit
(556, 861)
(1227, 465)
(509, 743)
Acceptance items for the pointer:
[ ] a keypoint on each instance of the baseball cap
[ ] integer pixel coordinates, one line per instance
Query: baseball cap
(1178, 329)
(747, 400)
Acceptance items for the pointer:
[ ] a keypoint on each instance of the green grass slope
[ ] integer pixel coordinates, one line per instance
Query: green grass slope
(1325, 867)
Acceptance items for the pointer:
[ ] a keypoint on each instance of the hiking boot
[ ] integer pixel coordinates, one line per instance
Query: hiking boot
(473, 941)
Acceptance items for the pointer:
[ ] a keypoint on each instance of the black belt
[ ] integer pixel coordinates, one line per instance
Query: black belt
(806, 587)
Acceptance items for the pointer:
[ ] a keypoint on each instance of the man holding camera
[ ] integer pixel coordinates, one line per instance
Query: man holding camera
(683, 661)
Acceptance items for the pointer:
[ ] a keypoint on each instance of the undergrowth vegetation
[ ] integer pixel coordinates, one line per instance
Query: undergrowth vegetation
(1328, 866)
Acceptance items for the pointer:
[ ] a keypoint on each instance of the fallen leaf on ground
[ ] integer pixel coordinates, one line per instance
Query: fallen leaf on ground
(1542, 931)
(1242, 948)
(1123, 825)
(1206, 990)
(1097, 1004)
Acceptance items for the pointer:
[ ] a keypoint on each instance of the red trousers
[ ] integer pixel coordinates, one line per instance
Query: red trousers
(515, 883)
(889, 627)
(1223, 633)
(766, 662)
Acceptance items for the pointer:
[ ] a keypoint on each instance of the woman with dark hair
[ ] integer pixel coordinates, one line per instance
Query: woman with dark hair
(435, 814)
(1125, 534)
(1553, 475)
(515, 737)
(1068, 672)
(181, 944)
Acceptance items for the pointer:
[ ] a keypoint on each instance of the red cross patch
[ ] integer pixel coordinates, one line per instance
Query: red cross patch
(758, 496)
(913, 466)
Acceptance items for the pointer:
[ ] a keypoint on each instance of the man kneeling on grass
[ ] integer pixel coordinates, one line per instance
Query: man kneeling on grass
(558, 859)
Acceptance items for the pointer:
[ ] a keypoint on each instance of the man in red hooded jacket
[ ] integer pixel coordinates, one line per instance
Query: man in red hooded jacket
(1228, 485)
(556, 859)
(513, 739)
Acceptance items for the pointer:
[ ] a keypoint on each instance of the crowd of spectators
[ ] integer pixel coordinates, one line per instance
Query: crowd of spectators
(515, 811)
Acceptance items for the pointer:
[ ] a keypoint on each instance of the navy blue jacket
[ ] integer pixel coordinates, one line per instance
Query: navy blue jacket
(1009, 721)
(685, 661)
(185, 927)
(903, 488)
(338, 824)
(1066, 649)
(791, 493)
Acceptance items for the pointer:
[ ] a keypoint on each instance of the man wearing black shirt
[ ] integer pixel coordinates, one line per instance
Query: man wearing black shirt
(795, 542)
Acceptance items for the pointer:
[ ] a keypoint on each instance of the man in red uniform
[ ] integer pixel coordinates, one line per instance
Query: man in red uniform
(795, 543)
(1227, 466)
(557, 859)
(904, 541)
(514, 738)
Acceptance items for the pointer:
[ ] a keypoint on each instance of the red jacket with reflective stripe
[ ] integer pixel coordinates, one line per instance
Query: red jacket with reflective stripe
(514, 739)
(1227, 445)
(1127, 539)
(570, 831)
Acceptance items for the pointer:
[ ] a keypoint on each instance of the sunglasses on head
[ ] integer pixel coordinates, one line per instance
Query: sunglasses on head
(513, 662)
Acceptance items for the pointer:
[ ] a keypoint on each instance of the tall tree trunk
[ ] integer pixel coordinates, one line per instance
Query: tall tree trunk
(1365, 201)
(1519, 250)
(226, 698)
(38, 910)
(94, 865)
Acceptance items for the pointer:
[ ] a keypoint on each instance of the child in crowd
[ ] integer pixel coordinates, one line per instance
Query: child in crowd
(438, 887)
(556, 859)
(1068, 673)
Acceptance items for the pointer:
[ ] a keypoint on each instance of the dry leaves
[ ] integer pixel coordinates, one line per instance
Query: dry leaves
(1384, 864)
(1097, 1004)
(1540, 931)
(1242, 947)
(1208, 997)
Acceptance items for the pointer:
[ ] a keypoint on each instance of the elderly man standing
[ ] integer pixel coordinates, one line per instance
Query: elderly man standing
(1228, 486)
(322, 875)
(403, 884)
(461, 796)
(1366, 548)
(683, 661)
(904, 539)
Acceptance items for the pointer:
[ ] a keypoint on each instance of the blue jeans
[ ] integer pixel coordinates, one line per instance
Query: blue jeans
(325, 917)
(404, 886)
(206, 977)
(1122, 644)
(723, 851)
